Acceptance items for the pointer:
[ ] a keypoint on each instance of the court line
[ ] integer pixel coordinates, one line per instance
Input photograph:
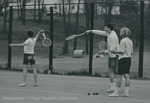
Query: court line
(117, 98)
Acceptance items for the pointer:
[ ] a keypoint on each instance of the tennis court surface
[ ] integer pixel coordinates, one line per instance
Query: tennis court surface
(66, 89)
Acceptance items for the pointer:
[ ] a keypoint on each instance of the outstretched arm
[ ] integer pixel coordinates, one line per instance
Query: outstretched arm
(97, 32)
(23, 44)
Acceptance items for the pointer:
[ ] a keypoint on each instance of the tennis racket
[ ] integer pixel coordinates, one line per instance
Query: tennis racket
(74, 36)
(46, 41)
(103, 46)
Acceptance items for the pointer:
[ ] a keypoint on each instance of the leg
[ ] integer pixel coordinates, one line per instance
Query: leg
(127, 80)
(123, 80)
(119, 81)
(34, 74)
(24, 76)
(118, 85)
(112, 66)
(25, 73)
(111, 75)
(112, 80)
(127, 85)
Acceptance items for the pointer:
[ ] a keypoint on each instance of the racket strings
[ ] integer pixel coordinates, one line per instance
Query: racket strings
(103, 46)
(47, 42)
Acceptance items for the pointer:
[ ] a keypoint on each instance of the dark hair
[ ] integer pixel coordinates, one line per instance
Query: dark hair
(110, 26)
(30, 33)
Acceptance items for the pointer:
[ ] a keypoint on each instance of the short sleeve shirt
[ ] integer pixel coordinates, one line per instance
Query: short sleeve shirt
(126, 46)
(113, 43)
(29, 47)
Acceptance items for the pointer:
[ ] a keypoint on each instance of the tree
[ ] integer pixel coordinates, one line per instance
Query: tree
(65, 47)
(19, 9)
(5, 13)
(110, 6)
(24, 12)
(40, 9)
(34, 10)
(77, 21)
(66, 13)
(87, 16)
(1, 6)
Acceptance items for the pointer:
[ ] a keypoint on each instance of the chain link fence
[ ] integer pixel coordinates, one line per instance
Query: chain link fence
(69, 19)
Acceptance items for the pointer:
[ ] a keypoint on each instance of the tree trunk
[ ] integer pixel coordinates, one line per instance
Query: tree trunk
(65, 47)
(77, 22)
(20, 9)
(18, 6)
(34, 10)
(5, 14)
(1, 7)
(39, 11)
(24, 12)
(110, 6)
(69, 22)
(87, 14)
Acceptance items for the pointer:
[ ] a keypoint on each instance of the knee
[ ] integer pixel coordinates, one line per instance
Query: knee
(127, 76)
(25, 69)
(34, 70)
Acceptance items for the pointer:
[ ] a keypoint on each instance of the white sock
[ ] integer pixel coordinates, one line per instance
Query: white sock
(117, 90)
(126, 90)
(123, 79)
(112, 85)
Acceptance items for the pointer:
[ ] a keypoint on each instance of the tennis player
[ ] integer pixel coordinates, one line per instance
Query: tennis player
(113, 43)
(124, 64)
(29, 58)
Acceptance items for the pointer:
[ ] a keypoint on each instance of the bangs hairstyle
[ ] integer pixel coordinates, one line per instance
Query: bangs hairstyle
(30, 33)
(125, 31)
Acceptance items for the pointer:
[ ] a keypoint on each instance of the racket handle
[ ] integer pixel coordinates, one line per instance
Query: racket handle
(41, 31)
(44, 35)
(81, 34)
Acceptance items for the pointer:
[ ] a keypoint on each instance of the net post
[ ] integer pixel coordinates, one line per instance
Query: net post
(51, 38)
(141, 48)
(10, 37)
(91, 40)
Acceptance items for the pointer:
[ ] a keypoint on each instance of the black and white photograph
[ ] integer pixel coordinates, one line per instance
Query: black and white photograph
(74, 51)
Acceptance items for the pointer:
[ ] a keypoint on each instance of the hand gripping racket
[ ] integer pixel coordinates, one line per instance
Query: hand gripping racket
(46, 41)
(74, 36)
(103, 46)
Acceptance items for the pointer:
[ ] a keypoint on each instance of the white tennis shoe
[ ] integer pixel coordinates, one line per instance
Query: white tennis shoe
(111, 90)
(114, 94)
(22, 85)
(35, 85)
(125, 94)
